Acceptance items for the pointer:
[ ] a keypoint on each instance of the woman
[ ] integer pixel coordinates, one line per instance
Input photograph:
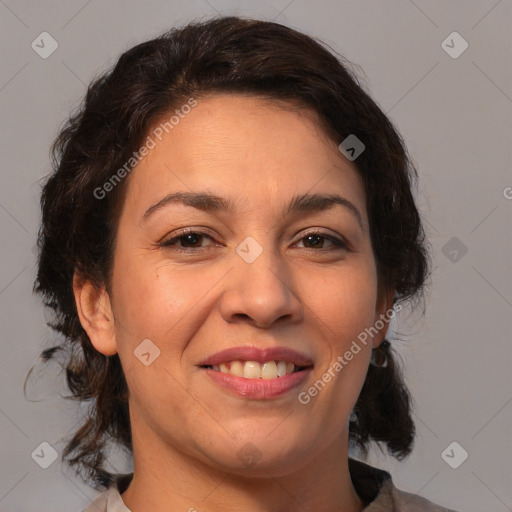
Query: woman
(227, 233)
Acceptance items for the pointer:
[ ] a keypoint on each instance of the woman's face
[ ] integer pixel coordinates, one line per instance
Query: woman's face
(249, 281)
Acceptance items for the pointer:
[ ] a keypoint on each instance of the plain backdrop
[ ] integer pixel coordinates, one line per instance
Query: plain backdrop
(454, 111)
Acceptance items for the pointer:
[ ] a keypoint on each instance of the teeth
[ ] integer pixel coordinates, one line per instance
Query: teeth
(252, 370)
(237, 369)
(282, 368)
(255, 370)
(269, 370)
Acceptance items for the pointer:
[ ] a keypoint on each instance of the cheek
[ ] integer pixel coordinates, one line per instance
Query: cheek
(163, 303)
(346, 302)
(150, 299)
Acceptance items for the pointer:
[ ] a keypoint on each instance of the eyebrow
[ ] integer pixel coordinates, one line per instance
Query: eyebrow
(304, 203)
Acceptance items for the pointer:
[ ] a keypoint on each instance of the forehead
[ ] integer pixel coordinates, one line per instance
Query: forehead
(254, 150)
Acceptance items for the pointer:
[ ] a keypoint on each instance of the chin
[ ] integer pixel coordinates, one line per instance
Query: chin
(256, 456)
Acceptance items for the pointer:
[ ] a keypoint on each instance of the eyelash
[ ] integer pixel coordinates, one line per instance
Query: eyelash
(340, 244)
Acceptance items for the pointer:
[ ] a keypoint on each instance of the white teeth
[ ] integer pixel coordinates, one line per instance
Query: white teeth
(281, 368)
(256, 370)
(237, 369)
(269, 370)
(252, 370)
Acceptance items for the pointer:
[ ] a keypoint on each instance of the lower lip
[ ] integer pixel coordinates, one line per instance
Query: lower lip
(258, 389)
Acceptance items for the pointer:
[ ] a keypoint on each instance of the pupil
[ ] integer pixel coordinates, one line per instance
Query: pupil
(314, 237)
(194, 238)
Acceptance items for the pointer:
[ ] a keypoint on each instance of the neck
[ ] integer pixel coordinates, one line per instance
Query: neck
(167, 479)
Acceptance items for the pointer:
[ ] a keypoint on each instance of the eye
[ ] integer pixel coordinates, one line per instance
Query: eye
(187, 241)
(315, 240)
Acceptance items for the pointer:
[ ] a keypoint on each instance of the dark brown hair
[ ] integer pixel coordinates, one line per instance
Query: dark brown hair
(226, 54)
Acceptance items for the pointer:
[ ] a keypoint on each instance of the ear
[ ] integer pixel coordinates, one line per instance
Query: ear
(383, 309)
(95, 313)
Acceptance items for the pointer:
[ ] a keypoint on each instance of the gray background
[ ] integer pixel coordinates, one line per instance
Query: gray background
(455, 115)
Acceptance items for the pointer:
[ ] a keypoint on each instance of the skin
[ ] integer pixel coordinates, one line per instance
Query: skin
(187, 431)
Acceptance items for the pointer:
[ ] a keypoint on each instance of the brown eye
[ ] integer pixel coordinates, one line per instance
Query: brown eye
(316, 240)
(187, 240)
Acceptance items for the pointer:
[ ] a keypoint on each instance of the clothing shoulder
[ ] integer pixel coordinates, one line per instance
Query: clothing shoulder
(99, 504)
(391, 499)
(376, 487)
(108, 501)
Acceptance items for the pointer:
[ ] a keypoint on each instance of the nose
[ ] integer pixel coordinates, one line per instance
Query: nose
(262, 292)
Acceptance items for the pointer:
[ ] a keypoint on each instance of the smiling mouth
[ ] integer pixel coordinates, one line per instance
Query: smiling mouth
(255, 370)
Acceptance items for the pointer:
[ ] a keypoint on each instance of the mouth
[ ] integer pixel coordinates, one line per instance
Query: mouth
(254, 373)
(256, 370)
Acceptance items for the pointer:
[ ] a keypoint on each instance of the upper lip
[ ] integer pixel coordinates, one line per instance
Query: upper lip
(261, 355)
